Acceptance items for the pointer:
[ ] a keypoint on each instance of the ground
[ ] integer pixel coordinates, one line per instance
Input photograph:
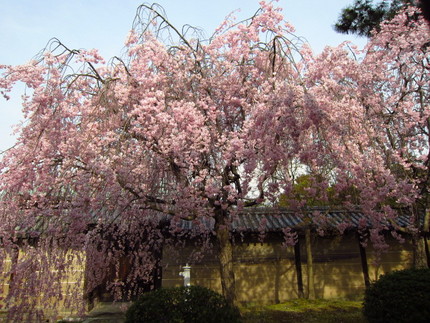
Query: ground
(299, 310)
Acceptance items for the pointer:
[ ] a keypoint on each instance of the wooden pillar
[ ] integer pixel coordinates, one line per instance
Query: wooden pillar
(310, 264)
(277, 264)
(298, 263)
(14, 262)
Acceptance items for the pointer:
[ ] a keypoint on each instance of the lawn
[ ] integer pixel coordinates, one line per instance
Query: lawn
(302, 310)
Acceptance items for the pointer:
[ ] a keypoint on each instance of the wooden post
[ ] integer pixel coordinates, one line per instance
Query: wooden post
(310, 264)
(14, 261)
(277, 263)
(298, 263)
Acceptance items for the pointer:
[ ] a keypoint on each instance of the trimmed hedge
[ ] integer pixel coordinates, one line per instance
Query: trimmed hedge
(182, 304)
(400, 296)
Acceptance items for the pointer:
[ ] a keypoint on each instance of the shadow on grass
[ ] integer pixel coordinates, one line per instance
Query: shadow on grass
(302, 310)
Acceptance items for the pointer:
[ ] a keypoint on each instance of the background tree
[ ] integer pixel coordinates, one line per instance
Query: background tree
(364, 16)
(425, 8)
(389, 90)
(403, 110)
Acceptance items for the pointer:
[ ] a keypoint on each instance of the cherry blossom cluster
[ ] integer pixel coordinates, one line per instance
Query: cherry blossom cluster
(113, 157)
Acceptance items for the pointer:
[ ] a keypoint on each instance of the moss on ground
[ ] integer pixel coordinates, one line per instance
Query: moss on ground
(302, 310)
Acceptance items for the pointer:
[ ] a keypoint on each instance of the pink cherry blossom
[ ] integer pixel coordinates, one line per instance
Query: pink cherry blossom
(112, 157)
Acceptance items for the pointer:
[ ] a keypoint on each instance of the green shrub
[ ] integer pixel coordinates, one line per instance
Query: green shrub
(182, 304)
(400, 296)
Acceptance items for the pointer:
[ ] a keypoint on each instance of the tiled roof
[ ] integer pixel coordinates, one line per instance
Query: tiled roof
(277, 219)
(266, 220)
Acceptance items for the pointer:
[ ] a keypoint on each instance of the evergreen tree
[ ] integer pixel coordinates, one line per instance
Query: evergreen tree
(363, 16)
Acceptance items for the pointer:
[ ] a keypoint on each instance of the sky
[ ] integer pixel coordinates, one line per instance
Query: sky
(27, 25)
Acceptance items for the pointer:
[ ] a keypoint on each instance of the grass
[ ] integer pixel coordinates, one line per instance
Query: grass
(302, 310)
(298, 310)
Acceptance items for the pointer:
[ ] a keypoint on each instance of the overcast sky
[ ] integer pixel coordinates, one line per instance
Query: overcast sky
(27, 25)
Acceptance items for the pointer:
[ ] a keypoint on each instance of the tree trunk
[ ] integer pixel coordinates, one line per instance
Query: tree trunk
(419, 252)
(426, 246)
(310, 266)
(419, 243)
(426, 227)
(225, 249)
(363, 258)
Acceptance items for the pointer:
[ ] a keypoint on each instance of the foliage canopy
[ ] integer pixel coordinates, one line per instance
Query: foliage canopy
(182, 304)
(365, 16)
(401, 296)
